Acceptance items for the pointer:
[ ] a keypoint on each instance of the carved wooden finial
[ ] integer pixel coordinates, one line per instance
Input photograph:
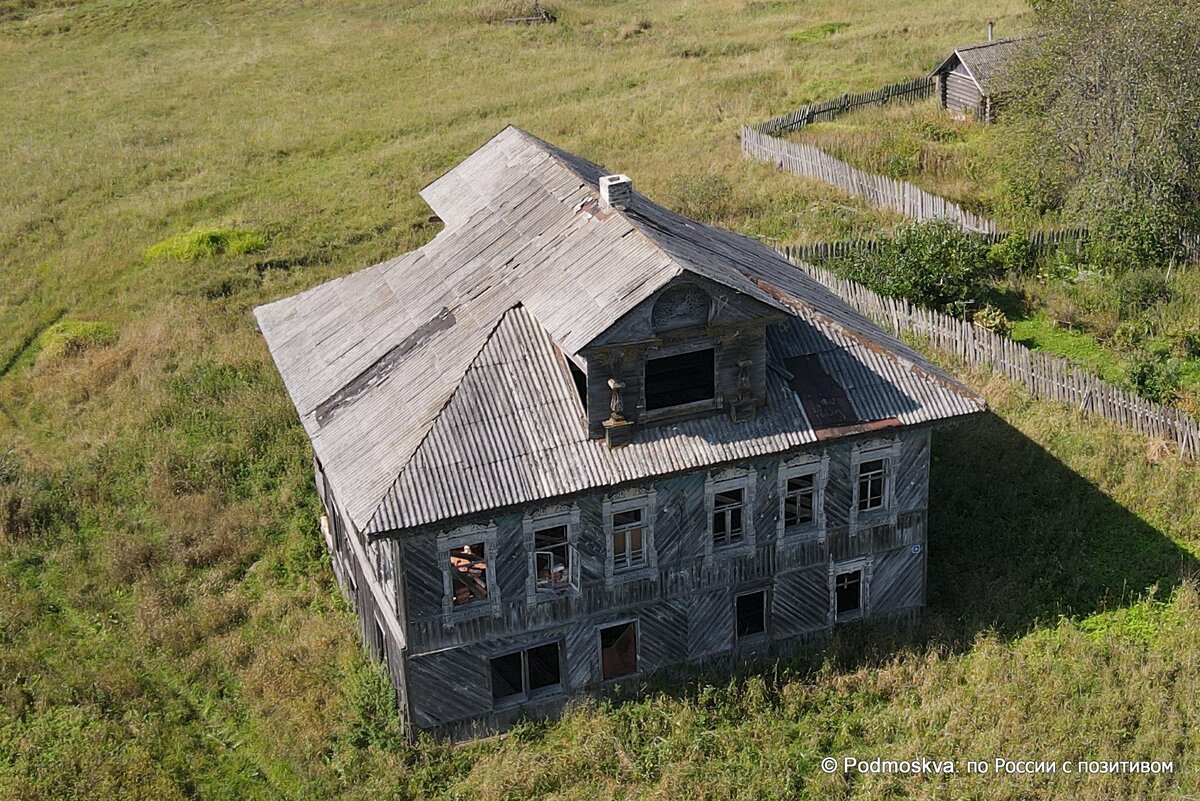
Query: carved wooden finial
(617, 404)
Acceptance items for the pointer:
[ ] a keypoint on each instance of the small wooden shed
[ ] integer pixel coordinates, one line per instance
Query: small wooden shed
(966, 79)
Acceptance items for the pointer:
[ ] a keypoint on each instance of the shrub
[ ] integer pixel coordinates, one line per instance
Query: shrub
(933, 264)
(1154, 377)
(1140, 290)
(1012, 255)
(71, 337)
(992, 319)
(206, 243)
(1184, 339)
(707, 197)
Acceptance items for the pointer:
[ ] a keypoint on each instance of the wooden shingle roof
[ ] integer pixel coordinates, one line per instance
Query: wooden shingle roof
(434, 385)
(983, 61)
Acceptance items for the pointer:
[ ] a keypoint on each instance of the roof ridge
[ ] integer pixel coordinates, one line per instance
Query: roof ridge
(441, 410)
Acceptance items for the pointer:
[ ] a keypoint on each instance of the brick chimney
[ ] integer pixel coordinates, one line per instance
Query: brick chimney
(615, 191)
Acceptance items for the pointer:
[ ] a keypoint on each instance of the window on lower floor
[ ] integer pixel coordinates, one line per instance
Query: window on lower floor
(618, 651)
(680, 380)
(629, 538)
(750, 614)
(847, 593)
(552, 558)
(526, 674)
(871, 479)
(727, 516)
(468, 574)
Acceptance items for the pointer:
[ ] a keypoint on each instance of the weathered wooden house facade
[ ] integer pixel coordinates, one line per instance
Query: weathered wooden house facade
(967, 80)
(578, 438)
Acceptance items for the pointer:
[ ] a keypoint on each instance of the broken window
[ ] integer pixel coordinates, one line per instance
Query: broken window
(799, 500)
(750, 614)
(680, 380)
(618, 651)
(629, 539)
(552, 558)
(871, 485)
(380, 642)
(727, 514)
(579, 378)
(847, 590)
(468, 574)
(527, 674)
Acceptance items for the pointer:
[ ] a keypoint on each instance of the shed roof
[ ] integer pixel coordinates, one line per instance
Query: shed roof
(983, 61)
(433, 385)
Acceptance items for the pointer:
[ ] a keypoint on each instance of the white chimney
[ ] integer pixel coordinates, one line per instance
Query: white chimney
(991, 30)
(615, 191)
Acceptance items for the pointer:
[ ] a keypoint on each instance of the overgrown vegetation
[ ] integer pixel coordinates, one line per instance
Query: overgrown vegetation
(168, 627)
(1105, 105)
(205, 243)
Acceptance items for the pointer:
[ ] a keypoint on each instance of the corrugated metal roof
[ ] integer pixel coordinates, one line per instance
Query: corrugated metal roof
(984, 60)
(433, 385)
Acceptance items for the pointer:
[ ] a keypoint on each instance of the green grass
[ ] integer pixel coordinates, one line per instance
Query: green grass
(1038, 333)
(168, 625)
(815, 33)
(206, 243)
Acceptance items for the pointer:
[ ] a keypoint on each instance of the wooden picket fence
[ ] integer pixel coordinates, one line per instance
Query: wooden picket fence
(820, 252)
(1049, 377)
(906, 92)
(878, 190)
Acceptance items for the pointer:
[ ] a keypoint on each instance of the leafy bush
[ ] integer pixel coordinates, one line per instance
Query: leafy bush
(933, 264)
(992, 319)
(1140, 290)
(1014, 255)
(70, 337)
(1155, 377)
(205, 243)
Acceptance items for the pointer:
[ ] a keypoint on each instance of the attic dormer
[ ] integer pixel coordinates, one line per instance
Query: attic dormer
(691, 349)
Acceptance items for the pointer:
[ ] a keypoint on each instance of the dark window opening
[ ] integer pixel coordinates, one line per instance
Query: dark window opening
(380, 643)
(629, 539)
(848, 592)
(678, 380)
(526, 674)
(870, 485)
(552, 558)
(798, 501)
(580, 379)
(727, 517)
(468, 574)
(751, 614)
(618, 651)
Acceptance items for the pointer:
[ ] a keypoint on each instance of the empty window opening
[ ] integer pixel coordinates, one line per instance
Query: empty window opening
(870, 485)
(526, 674)
(847, 589)
(552, 558)
(629, 539)
(750, 614)
(580, 379)
(679, 380)
(799, 498)
(727, 524)
(468, 574)
(380, 642)
(618, 651)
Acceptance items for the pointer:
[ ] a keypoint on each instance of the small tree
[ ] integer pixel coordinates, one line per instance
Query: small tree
(1104, 108)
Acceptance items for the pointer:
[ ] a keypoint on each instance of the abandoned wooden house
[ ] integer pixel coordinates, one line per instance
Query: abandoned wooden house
(967, 81)
(578, 438)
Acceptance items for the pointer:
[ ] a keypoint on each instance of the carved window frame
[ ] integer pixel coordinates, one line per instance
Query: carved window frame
(531, 524)
(888, 451)
(808, 464)
(456, 538)
(647, 501)
(865, 565)
(734, 478)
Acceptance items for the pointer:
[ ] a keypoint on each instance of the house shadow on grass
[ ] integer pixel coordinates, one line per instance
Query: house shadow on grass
(1016, 539)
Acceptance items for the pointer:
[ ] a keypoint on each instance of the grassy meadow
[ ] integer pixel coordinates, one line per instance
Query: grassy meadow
(168, 626)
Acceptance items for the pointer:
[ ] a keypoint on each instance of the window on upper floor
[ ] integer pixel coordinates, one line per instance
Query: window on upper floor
(527, 674)
(872, 479)
(629, 538)
(629, 530)
(728, 516)
(468, 574)
(801, 494)
(680, 380)
(552, 558)
(618, 651)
